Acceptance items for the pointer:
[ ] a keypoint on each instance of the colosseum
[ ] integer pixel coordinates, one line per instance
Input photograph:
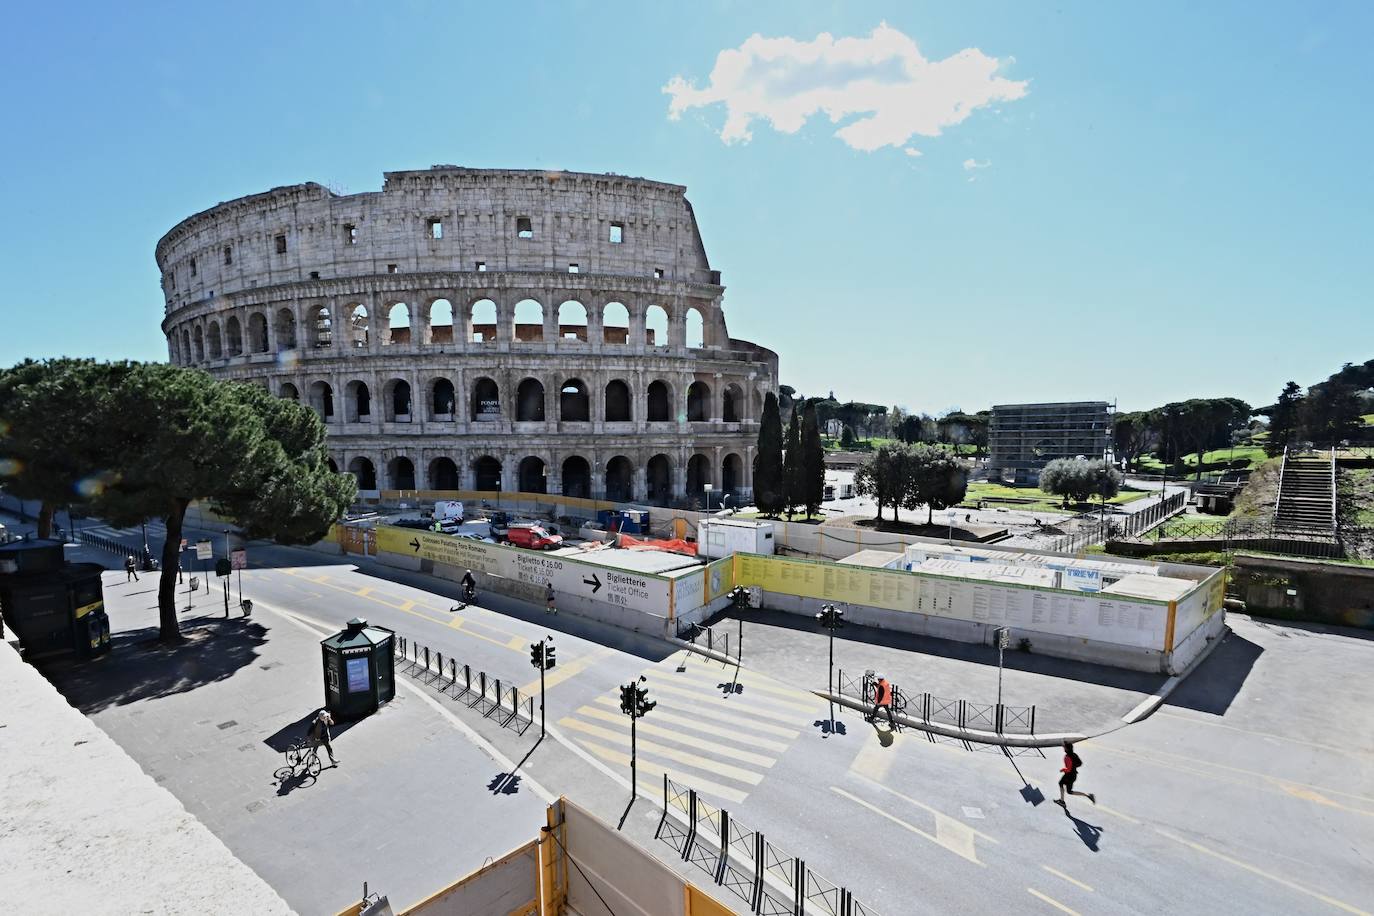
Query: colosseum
(481, 329)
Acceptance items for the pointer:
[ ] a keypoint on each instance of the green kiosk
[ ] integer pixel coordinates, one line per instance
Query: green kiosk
(359, 670)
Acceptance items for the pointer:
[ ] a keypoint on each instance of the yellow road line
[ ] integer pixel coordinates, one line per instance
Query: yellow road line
(1198, 847)
(654, 749)
(1059, 874)
(620, 758)
(964, 851)
(563, 672)
(649, 728)
(1249, 731)
(753, 708)
(696, 721)
(1052, 902)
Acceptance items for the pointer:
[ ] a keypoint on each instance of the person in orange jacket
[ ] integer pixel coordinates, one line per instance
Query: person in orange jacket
(882, 699)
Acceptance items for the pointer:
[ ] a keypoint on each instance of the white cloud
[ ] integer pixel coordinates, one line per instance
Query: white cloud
(971, 164)
(913, 151)
(882, 84)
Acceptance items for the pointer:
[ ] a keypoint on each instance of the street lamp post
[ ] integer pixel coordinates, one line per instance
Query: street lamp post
(950, 516)
(706, 488)
(1003, 640)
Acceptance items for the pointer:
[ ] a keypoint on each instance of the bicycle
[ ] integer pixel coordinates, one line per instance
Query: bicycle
(302, 755)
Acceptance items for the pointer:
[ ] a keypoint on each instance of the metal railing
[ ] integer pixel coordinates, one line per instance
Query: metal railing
(1230, 534)
(998, 718)
(765, 877)
(1098, 531)
(113, 545)
(497, 701)
(713, 638)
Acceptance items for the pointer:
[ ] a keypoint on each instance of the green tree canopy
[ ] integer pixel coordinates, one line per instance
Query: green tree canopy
(884, 477)
(769, 494)
(813, 462)
(935, 478)
(792, 465)
(1080, 479)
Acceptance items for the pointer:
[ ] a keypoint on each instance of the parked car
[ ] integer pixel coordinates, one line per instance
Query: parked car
(533, 537)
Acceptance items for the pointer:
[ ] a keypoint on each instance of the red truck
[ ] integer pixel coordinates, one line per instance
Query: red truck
(533, 537)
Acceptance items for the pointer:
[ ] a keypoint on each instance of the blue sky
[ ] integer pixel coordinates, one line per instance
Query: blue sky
(1134, 202)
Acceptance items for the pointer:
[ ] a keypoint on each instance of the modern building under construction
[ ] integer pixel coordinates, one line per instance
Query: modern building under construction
(1023, 438)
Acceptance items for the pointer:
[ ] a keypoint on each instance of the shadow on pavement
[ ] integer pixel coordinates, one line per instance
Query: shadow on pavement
(141, 668)
(1090, 834)
(287, 735)
(1215, 683)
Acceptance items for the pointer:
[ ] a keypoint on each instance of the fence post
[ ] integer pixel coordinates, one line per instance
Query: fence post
(498, 692)
(1032, 722)
(453, 671)
(798, 887)
(467, 678)
(925, 708)
(514, 701)
(482, 679)
(961, 713)
(709, 634)
(999, 718)
(757, 896)
(426, 659)
(440, 666)
(724, 845)
(692, 823)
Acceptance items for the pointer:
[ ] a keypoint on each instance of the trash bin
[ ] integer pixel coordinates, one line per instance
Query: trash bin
(359, 669)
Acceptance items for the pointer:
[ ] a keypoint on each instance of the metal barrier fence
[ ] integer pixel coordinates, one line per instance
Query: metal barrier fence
(717, 639)
(769, 880)
(1098, 530)
(927, 707)
(462, 682)
(1231, 534)
(112, 545)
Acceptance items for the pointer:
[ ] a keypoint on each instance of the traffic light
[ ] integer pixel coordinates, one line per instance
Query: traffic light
(627, 699)
(642, 702)
(548, 653)
(831, 617)
(537, 655)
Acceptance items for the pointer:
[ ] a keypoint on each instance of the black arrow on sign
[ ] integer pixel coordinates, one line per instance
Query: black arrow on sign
(594, 582)
(415, 542)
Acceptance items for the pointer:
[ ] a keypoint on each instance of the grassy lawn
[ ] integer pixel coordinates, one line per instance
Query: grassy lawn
(1218, 459)
(1041, 501)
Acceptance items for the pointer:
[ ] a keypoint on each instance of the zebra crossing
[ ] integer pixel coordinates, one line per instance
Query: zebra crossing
(716, 729)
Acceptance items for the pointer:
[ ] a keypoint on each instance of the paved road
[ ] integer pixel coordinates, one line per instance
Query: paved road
(1250, 792)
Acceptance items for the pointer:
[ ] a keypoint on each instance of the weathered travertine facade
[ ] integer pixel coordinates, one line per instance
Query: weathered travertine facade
(481, 329)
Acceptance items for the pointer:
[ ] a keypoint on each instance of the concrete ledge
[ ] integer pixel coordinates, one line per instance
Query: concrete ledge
(954, 731)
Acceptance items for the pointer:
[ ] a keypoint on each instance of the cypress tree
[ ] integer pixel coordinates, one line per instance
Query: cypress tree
(769, 494)
(792, 475)
(813, 461)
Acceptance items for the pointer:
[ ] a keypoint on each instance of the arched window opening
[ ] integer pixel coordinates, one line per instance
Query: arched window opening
(189, 353)
(573, 404)
(732, 403)
(486, 401)
(322, 325)
(333, 466)
(199, 338)
(656, 327)
(322, 400)
(572, 321)
(698, 476)
(620, 479)
(731, 476)
(213, 342)
(398, 400)
(363, 472)
(529, 401)
(398, 325)
(360, 327)
(400, 473)
(483, 321)
(442, 399)
(443, 474)
(233, 333)
(357, 402)
(286, 330)
(577, 477)
(441, 322)
(615, 324)
(696, 329)
(698, 402)
(289, 392)
(257, 332)
(659, 477)
(533, 476)
(660, 402)
(618, 409)
(529, 321)
(486, 474)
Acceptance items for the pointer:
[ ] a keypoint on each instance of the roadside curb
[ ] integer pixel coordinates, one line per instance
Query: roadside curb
(709, 653)
(1150, 704)
(954, 731)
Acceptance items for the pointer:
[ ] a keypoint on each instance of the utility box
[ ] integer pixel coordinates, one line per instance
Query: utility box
(53, 609)
(359, 669)
(721, 537)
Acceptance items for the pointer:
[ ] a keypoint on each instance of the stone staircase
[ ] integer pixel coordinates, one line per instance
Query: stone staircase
(1306, 502)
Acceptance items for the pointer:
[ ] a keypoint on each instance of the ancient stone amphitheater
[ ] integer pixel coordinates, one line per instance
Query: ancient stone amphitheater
(481, 329)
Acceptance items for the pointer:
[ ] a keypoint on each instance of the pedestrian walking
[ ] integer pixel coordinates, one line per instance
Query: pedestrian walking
(549, 600)
(319, 734)
(130, 569)
(1072, 764)
(882, 699)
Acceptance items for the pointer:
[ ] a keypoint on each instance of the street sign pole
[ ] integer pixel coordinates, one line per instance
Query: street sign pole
(541, 701)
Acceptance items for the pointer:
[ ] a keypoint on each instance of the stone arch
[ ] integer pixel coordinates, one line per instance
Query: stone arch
(214, 345)
(527, 321)
(620, 476)
(359, 327)
(659, 479)
(698, 475)
(398, 327)
(233, 336)
(364, 472)
(396, 395)
(695, 327)
(486, 473)
(731, 474)
(656, 326)
(619, 404)
(286, 329)
(257, 333)
(443, 474)
(572, 321)
(698, 402)
(532, 475)
(660, 402)
(198, 339)
(615, 323)
(288, 392)
(321, 327)
(574, 405)
(483, 321)
(442, 400)
(732, 403)
(400, 473)
(188, 354)
(486, 401)
(441, 324)
(322, 400)
(357, 402)
(577, 477)
(529, 401)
